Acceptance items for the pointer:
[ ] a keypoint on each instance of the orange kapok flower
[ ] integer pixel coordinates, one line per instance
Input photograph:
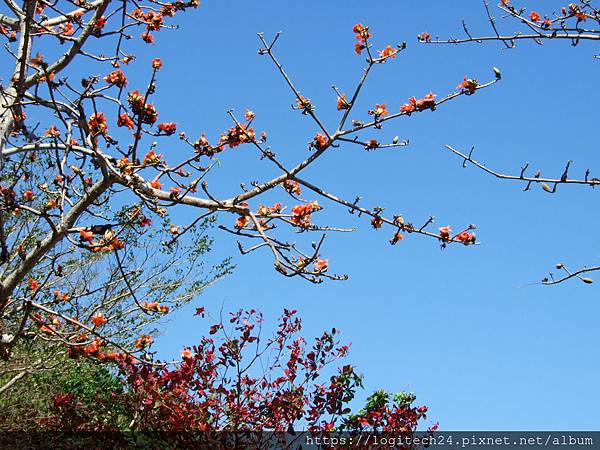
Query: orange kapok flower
(99, 320)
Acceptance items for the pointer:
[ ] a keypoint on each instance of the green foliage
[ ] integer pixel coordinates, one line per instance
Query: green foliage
(48, 372)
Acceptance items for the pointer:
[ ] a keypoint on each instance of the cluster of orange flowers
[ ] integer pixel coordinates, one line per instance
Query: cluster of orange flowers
(465, 237)
(267, 211)
(362, 34)
(156, 307)
(320, 265)
(46, 325)
(116, 78)
(145, 110)
(301, 214)
(78, 349)
(264, 211)
(154, 21)
(240, 134)
(61, 297)
(107, 243)
(573, 10)
(167, 127)
(427, 102)
(97, 124)
(203, 147)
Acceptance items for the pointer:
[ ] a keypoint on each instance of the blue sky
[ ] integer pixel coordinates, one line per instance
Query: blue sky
(462, 327)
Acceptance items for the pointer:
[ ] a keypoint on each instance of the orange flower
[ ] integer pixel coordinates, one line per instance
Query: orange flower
(241, 222)
(94, 347)
(99, 320)
(424, 37)
(97, 124)
(52, 132)
(409, 107)
(136, 101)
(301, 214)
(86, 235)
(168, 10)
(46, 329)
(149, 114)
(152, 158)
(376, 222)
(33, 284)
(147, 38)
(358, 48)
(397, 238)
(100, 22)
(155, 306)
(59, 296)
(445, 233)
(320, 141)
(67, 29)
(116, 78)
(292, 187)
(263, 210)
(143, 341)
(157, 64)
(125, 165)
(125, 120)
(465, 237)
(186, 353)
(468, 85)
(362, 32)
(321, 265)
(388, 52)
(28, 195)
(153, 20)
(38, 60)
(156, 184)
(303, 103)
(427, 102)
(167, 127)
(342, 103)
(249, 115)
(534, 16)
(49, 77)
(379, 111)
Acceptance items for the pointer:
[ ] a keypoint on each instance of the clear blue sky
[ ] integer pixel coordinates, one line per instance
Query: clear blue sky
(459, 327)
